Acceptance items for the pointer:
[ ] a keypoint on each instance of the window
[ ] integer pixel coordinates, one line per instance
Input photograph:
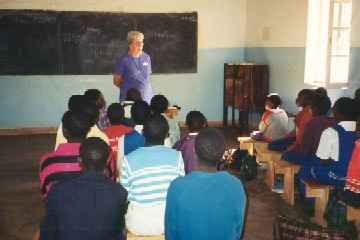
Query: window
(328, 43)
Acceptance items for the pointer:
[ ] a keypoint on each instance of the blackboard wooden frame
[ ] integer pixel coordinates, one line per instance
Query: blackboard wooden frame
(36, 42)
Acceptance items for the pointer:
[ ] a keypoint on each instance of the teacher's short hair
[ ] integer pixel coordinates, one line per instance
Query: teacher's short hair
(132, 35)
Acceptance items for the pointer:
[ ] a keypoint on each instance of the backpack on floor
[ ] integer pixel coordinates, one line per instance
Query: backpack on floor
(246, 164)
(335, 212)
(241, 162)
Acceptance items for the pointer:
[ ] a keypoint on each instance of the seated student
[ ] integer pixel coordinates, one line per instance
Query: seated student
(114, 132)
(330, 164)
(88, 207)
(140, 113)
(304, 100)
(313, 129)
(357, 95)
(351, 195)
(205, 204)
(146, 174)
(195, 121)
(159, 104)
(357, 99)
(132, 96)
(274, 121)
(62, 163)
(293, 139)
(95, 96)
(83, 106)
(321, 91)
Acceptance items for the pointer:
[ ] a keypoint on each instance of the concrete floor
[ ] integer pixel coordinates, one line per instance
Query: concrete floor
(21, 207)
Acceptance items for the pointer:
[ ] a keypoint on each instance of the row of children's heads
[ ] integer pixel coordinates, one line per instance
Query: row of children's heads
(209, 144)
(344, 108)
(76, 125)
(141, 111)
(304, 98)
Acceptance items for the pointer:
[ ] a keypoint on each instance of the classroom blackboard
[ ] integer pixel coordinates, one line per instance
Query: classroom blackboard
(36, 42)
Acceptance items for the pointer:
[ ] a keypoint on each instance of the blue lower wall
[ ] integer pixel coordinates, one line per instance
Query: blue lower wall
(40, 101)
(287, 66)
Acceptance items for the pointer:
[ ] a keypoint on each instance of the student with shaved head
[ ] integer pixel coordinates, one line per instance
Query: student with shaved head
(205, 204)
(87, 207)
(147, 173)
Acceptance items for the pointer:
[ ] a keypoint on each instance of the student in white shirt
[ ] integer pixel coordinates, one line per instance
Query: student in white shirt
(329, 166)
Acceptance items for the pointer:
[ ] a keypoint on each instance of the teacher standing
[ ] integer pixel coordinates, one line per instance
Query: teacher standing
(133, 70)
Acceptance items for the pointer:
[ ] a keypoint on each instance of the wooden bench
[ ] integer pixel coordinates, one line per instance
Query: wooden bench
(321, 194)
(270, 157)
(131, 236)
(36, 234)
(352, 214)
(253, 146)
(260, 148)
(246, 143)
(288, 170)
(263, 154)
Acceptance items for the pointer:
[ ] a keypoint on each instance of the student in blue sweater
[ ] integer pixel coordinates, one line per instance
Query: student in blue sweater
(205, 204)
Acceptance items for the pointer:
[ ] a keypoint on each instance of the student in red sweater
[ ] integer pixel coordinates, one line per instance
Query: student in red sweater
(313, 129)
(303, 100)
(116, 130)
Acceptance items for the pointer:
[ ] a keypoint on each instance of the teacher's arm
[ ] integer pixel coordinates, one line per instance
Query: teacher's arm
(118, 80)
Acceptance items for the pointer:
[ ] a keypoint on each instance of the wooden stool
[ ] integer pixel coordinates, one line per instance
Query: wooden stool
(246, 143)
(270, 157)
(321, 194)
(36, 234)
(252, 146)
(260, 147)
(288, 170)
(131, 236)
(352, 214)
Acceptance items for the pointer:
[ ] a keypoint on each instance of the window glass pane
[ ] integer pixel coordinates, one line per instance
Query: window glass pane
(345, 20)
(336, 15)
(342, 14)
(340, 42)
(317, 42)
(339, 69)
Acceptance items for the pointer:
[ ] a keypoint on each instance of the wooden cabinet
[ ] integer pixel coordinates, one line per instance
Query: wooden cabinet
(245, 89)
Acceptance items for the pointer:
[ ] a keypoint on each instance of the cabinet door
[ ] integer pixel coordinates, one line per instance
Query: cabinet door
(260, 85)
(228, 91)
(228, 84)
(242, 96)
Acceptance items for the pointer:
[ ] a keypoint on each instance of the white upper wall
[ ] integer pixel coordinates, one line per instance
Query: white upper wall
(221, 23)
(276, 23)
(282, 23)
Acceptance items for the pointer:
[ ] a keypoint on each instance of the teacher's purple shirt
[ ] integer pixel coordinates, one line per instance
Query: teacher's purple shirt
(136, 74)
